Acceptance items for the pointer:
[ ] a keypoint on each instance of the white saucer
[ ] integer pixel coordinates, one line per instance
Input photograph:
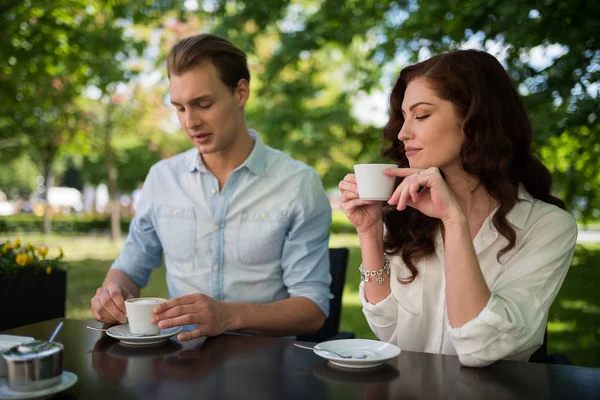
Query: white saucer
(67, 380)
(122, 333)
(377, 352)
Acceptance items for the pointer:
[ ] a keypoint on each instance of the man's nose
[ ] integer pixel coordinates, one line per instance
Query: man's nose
(192, 120)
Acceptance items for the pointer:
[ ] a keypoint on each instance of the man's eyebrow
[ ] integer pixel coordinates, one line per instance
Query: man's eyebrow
(418, 104)
(194, 100)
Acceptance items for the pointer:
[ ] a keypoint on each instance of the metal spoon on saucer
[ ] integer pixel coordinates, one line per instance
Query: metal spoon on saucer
(354, 356)
(113, 331)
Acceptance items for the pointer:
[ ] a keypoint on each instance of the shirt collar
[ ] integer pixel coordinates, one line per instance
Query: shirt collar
(520, 212)
(255, 163)
(517, 216)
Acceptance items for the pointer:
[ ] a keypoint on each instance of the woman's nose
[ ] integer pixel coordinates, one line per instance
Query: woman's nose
(404, 133)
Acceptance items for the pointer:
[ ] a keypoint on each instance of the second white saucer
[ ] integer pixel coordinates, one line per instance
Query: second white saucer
(122, 333)
(67, 380)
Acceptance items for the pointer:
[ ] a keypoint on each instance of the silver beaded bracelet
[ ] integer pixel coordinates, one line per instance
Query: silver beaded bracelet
(365, 276)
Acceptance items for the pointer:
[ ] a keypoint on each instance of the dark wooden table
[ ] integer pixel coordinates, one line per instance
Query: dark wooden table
(245, 367)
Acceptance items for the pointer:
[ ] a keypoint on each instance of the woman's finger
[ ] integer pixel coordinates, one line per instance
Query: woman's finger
(393, 200)
(414, 191)
(404, 195)
(401, 172)
(346, 186)
(350, 178)
(347, 196)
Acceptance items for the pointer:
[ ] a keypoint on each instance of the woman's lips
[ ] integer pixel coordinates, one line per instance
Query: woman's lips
(411, 151)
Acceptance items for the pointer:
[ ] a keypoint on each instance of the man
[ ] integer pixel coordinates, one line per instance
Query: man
(244, 228)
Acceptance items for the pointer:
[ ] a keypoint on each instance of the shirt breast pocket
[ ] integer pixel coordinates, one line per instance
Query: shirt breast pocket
(261, 236)
(177, 231)
(409, 297)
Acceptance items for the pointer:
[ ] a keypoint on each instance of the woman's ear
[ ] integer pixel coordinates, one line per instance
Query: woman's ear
(242, 92)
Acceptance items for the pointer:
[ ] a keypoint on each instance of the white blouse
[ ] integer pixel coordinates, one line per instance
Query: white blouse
(523, 286)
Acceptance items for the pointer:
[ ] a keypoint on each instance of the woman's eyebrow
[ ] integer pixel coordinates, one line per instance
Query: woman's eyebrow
(418, 104)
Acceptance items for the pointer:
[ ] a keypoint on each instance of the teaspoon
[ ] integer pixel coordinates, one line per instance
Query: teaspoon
(354, 357)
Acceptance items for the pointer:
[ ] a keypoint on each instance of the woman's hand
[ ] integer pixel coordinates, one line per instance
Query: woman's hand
(365, 215)
(426, 190)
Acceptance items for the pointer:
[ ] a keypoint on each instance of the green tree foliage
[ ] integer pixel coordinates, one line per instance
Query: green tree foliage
(309, 59)
(55, 49)
(561, 95)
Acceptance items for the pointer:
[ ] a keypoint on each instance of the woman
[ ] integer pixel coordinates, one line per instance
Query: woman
(472, 247)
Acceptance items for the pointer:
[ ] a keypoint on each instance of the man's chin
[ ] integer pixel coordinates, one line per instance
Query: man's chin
(205, 149)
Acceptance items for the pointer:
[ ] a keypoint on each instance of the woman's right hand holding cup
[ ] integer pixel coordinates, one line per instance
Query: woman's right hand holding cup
(365, 215)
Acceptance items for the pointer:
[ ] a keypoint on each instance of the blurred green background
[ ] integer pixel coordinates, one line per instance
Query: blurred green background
(85, 106)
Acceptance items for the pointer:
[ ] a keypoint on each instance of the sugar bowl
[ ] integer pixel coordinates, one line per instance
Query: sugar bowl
(34, 366)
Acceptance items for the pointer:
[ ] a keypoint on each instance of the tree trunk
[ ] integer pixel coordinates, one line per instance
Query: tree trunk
(47, 151)
(111, 167)
(47, 168)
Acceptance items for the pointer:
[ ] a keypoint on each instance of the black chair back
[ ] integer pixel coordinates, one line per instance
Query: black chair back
(541, 355)
(338, 259)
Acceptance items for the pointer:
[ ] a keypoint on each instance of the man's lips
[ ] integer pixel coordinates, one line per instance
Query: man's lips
(201, 137)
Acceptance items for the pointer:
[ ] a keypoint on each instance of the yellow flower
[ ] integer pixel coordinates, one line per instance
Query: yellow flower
(30, 260)
(17, 244)
(7, 246)
(30, 247)
(22, 259)
(61, 254)
(48, 270)
(43, 251)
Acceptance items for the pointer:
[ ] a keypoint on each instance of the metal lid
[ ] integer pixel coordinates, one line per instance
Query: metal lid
(32, 350)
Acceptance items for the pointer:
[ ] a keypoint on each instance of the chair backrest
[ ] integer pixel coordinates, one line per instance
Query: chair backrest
(338, 259)
(541, 354)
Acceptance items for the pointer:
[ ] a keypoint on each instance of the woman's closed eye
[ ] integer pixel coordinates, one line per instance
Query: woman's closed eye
(422, 116)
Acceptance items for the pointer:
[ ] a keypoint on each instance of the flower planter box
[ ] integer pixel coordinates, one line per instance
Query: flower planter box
(27, 299)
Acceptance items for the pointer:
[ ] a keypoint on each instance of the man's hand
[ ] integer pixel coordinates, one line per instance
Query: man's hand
(108, 305)
(212, 317)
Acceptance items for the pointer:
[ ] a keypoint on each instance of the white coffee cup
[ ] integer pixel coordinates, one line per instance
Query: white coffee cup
(139, 311)
(373, 183)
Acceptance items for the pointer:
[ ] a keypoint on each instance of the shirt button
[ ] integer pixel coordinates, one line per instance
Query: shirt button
(216, 267)
(175, 212)
(217, 227)
(214, 191)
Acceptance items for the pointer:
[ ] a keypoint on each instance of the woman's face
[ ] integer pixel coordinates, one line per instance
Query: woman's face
(432, 131)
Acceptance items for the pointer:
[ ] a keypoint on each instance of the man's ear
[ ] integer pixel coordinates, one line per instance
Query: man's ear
(242, 92)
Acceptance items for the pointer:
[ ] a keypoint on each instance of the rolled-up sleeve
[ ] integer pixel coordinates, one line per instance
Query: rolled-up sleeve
(305, 254)
(142, 250)
(520, 298)
(381, 317)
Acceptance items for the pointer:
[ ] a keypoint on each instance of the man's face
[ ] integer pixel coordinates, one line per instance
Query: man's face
(211, 114)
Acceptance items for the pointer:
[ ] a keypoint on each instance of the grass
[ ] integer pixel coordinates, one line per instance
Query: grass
(573, 328)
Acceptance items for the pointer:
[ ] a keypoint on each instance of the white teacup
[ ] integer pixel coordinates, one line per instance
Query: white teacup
(373, 183)
(139, 311)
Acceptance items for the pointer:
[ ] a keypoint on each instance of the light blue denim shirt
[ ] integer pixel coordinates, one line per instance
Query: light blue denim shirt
(263, 237)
